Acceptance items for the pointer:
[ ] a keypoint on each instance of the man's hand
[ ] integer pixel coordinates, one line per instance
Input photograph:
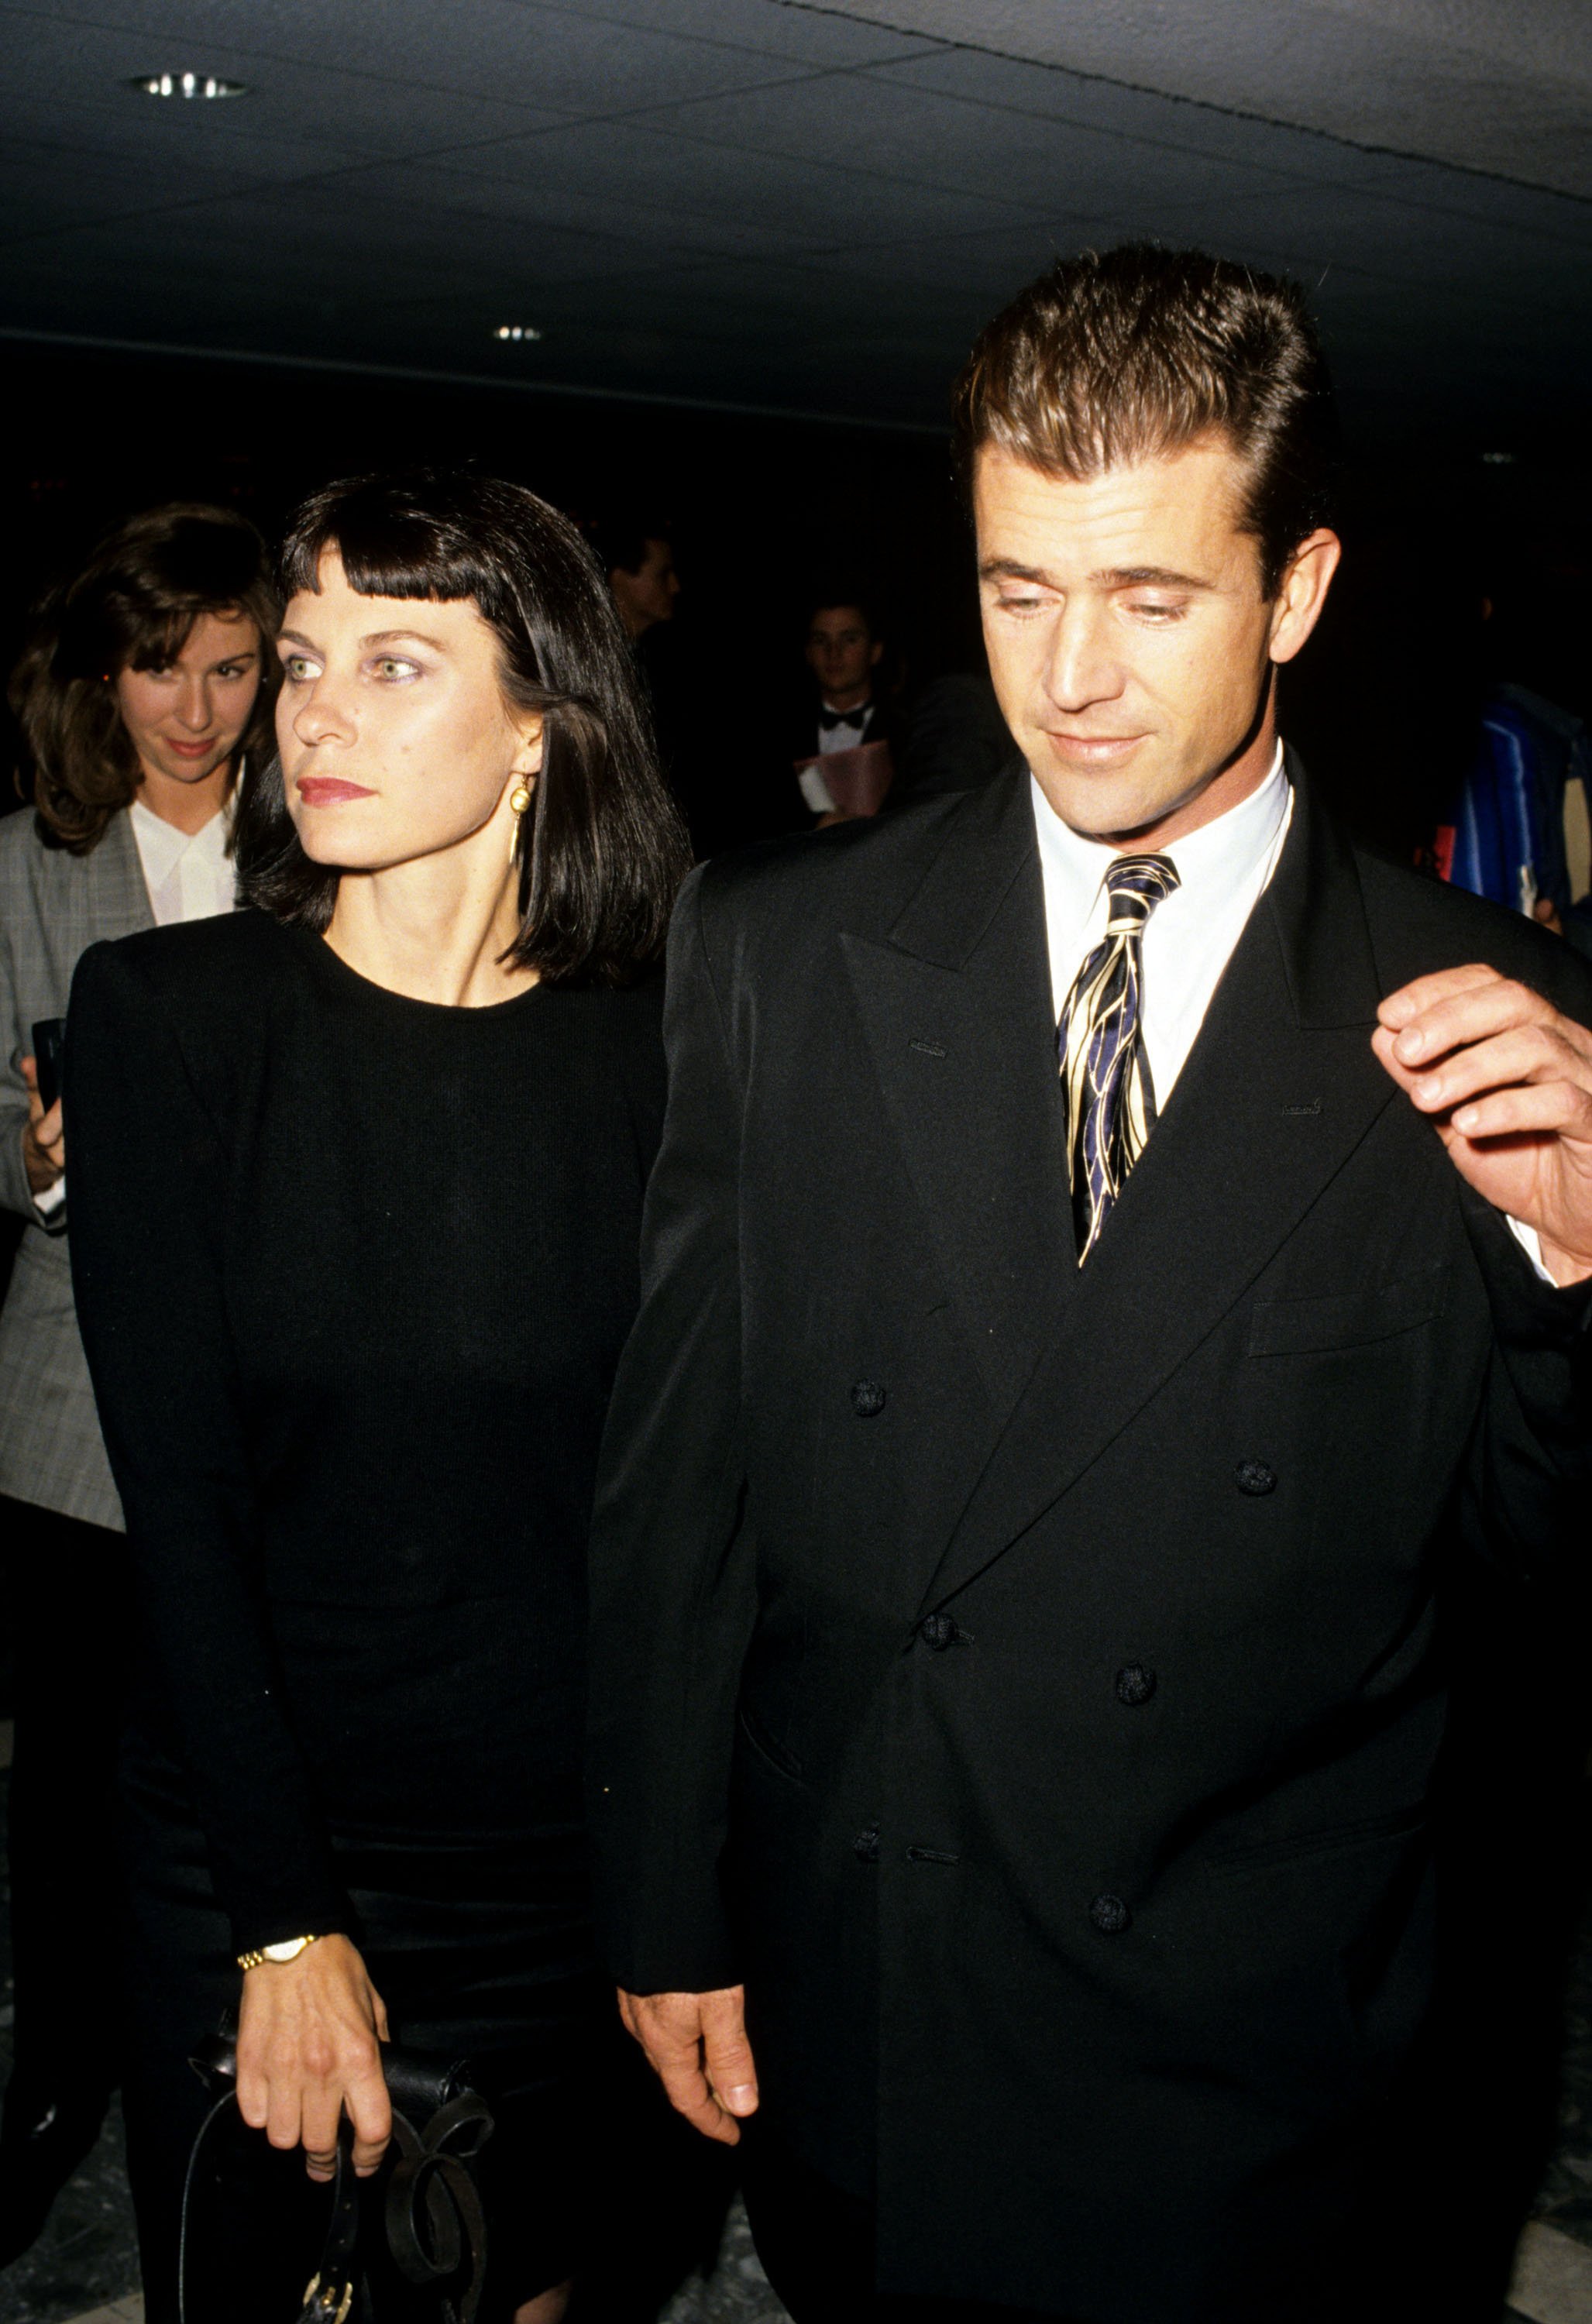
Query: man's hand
(43, 1154)
(1507, 1082)
(696, 2045)
(308, 2032)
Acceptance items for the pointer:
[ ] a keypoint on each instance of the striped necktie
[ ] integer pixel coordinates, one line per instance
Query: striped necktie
(1104, 1073)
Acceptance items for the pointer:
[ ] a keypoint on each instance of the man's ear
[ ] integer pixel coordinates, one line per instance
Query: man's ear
(1303, 593)
(874, 652)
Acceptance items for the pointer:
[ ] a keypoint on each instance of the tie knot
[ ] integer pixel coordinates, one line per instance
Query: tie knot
(1134, 885)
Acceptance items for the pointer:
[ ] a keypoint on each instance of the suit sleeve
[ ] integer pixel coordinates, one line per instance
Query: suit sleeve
(672, 1563)
(1531, 1470)
(15, 1193)
(149, 1203)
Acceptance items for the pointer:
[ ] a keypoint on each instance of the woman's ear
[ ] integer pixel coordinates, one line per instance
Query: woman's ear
(528, 724)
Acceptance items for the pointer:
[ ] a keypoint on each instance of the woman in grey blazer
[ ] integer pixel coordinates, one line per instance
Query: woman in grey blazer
(139, 693)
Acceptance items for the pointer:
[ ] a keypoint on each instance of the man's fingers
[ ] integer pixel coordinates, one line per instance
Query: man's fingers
(1525, 1053)
(1480, 1013)
(1562, 1108)
(731, 2073)
(1410, 999)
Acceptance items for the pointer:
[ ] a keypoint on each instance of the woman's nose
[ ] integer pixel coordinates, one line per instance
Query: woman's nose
(320, 718)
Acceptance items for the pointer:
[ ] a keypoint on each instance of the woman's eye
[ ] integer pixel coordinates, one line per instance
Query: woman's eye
(393, 666)
(296, 667)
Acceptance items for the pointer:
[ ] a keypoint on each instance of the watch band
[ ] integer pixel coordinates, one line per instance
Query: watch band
(287, 1950)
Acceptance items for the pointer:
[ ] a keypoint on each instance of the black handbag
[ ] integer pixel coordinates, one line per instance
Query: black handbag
(435, 2228)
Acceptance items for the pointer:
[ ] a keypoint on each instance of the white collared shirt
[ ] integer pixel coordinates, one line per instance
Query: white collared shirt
(189, 875)
(1223, 870)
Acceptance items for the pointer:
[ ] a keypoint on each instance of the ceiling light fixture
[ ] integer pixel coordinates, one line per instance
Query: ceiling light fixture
(186, 84)
(517, 331)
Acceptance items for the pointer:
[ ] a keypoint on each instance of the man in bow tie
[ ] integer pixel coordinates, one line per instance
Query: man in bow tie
(844, 651)
(1117, 1253)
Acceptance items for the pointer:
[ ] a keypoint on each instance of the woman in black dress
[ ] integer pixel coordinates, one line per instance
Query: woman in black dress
(357, 1180)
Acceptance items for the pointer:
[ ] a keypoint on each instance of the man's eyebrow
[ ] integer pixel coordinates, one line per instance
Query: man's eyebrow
(1148, 577)
(1114, 577)
(1007, 569)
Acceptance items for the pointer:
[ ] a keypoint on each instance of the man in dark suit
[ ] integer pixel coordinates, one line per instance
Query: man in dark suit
(1116, 1252)
(845, 712)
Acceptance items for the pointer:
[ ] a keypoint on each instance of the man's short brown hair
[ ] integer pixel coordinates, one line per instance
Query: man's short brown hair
(1124, 354)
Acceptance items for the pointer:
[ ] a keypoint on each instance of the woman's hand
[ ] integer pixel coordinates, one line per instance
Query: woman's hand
(308, 2053)
(43, 1152)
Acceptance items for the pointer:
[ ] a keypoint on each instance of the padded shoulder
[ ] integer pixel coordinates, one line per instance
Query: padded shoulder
(1420, 925)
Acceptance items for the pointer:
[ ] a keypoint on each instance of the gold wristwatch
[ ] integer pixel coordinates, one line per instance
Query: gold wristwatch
(289, 1950)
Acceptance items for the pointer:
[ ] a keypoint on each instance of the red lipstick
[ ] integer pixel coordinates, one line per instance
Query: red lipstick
(327, 790)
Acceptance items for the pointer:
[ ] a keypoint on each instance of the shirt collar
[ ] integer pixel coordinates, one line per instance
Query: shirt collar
(163, 846)
(1214, 863)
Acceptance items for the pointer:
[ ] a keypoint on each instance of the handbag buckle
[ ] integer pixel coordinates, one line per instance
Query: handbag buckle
(318, 2297)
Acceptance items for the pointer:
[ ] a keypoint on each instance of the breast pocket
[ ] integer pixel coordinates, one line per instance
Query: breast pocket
(1350, 1319)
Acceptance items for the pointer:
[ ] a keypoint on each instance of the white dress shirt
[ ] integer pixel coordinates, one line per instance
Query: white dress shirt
(189, 875)
(1223, 870)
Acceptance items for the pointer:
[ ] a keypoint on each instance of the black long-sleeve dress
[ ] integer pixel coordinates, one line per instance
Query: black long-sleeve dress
(353, 1272)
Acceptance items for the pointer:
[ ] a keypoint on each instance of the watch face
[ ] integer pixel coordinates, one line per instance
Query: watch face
(289, 1951)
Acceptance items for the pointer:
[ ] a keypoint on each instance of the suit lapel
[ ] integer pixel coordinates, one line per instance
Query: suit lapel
(1279, 1090)
(121, 901)
(957, 1009)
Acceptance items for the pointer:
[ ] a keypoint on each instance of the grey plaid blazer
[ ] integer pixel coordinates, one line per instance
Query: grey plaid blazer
(52, 907)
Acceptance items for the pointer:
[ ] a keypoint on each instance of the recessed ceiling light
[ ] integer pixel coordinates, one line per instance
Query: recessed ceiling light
(186, 84)
(517, 331)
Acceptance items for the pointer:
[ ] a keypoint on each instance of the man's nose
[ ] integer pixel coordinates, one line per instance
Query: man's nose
(1084, 666)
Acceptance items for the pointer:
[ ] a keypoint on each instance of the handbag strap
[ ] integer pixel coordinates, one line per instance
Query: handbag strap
(329, 2294)
(436, 2228)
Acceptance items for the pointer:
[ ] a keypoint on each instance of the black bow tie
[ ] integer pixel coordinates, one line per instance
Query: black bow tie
(828, 719)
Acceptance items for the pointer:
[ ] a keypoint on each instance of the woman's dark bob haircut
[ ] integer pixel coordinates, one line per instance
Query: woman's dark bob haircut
(602, 847)
(132, 606)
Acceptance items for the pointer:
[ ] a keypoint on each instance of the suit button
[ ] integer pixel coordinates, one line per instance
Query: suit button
(1136, 1684)
(938, 1631)
(1110, 1915)
(868, 1400)
(865, 1847)
(1257, 1477)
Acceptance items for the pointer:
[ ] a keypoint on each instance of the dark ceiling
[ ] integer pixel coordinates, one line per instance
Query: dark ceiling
(775, 205)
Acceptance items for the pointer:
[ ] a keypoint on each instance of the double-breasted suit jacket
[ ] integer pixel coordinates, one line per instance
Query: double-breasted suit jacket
(1027, 1678)
(53, 905)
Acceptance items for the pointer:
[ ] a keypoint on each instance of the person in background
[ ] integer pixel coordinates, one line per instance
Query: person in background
(358, 1181)
(639, 560)
(843, 649)
(1516, 828)
(139, 695)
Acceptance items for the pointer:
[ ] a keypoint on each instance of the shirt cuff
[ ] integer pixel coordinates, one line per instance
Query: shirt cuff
(51, 1199)
(1531, 1243)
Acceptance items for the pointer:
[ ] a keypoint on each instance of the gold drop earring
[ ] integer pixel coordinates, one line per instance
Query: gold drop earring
(519, 800)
